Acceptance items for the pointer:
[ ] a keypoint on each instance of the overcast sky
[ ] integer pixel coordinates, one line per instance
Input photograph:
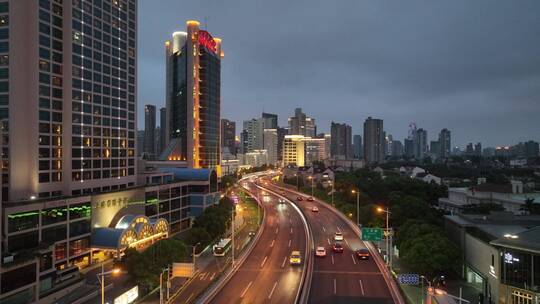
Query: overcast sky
(470, 66)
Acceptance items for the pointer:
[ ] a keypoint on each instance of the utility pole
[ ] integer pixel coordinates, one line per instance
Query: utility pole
(232, 227)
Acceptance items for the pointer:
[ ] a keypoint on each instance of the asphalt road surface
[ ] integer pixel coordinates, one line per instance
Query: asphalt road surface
(266, 275)
(339, 277)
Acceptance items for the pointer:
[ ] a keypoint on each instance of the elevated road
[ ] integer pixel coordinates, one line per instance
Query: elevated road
(266, 276)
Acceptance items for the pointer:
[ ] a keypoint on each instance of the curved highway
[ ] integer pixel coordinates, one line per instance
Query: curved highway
(339, 277)
(266, 275)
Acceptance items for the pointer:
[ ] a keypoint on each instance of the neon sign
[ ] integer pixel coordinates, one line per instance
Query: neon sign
(205, 39)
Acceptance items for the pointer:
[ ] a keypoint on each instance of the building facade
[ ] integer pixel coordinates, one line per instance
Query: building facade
(150, 129)
(294, 153)
(358, 151)
(228, 135)
(315, 149)
(301, 124)
(420, 142)
(193, 93)
(373, 141)
(270, 120)
(445, 143)
(341, 141)
(270, 139)
(253, 134)
(163, 140)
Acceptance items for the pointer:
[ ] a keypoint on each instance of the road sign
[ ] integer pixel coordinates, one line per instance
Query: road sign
(408, 279)
(371, 234)
(183, 270)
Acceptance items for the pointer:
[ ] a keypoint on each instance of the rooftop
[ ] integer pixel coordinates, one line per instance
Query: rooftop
(528, 240)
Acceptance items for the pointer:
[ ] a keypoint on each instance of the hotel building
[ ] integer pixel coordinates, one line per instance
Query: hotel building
(193, 93)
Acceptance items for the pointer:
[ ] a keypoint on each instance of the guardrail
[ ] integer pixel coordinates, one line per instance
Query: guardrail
(210, 293)
(302, 295)
(392, 285)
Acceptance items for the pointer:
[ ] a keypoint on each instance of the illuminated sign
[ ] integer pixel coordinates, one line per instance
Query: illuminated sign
(509, 258)
(128, 297)
(206, 40)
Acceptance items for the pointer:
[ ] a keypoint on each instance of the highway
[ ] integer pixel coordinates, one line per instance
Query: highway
(339, 277)
(266, 276)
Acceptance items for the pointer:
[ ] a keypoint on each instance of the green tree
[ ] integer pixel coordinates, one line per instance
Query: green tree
(198, 235)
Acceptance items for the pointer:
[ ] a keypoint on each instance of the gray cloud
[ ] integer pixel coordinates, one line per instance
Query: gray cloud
(471, 66)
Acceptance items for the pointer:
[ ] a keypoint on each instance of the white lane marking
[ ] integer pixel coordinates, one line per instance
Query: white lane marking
(291, 230)
(190, 296)
(346, 242)
(212, 276)
(338, 229)
(323, 229)
(335, 287)
(328, 241)
(284, 260)
(272, 245)
(289, 243)
(332, 259)
(272, 292)
(246, 289)
(277, 230)
(264, 261)
(361, 286)
(353, 259)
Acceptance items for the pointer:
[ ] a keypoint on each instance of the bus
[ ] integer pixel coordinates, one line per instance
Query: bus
(222, 247)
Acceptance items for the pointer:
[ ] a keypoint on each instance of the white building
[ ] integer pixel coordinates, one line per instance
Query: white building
(294, 150)
(315, 149)
(256, 158)
(270, 139)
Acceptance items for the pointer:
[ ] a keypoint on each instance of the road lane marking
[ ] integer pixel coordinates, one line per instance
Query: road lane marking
(272, 245)
(361, 286)
(289, 243)
(323, 229)
(346, 242)
(328, 241)
(284, 260)
(277, 230)
(264, 261)
(291, 230)
(246, 289)
(332, 259)
(353, 259)
(335, 287)
(212, 276)
(190, 296)
(338, 228)
(272, 292)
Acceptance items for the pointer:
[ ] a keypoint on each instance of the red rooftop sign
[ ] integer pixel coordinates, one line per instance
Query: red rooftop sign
(206, 40)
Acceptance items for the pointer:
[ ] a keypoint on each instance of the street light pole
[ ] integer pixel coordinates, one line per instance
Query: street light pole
(102, 283)
(357, 206)
(312, 185)
(332, 192)
(388, 236)
(232, 227)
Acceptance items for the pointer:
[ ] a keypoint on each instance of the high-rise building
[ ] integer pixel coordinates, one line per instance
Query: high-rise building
(149, 129)
(270, 120)
(228, 135)
(374, 140)
(435, 148)
(294, 150)
(420, 144)
(69, 126)
(315, 149)
(397, 148)
(408, 148)
(193, 94)
(163, 140)
(357, 147)
(270, 139)
(327, 144)
(281, 132)
(341, 140)
(478, 149)
(301, 124)
(469, 149)
(531, 149)
(389, 142)
(140, 142)
(253, 135)
(445, 143)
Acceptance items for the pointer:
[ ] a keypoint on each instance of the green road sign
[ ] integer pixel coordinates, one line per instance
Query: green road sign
(371, 234)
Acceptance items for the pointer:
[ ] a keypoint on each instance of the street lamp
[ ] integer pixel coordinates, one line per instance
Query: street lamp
(388, 236)
(312, 185)
(161, 284)
(101, 279)
(357, 192)
(297, 187)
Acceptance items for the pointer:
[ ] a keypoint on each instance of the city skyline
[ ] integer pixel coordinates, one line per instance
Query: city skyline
(396, 75)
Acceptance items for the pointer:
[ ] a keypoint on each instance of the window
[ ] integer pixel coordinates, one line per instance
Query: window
(80, 210)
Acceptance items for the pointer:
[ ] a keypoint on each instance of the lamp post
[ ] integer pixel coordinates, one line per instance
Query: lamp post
(101, 279)
(389, 236)
(332, 183)
(357, 192)
(167, 270)
(232, 227)
(297, 187)
(193, 254)
(312, 185)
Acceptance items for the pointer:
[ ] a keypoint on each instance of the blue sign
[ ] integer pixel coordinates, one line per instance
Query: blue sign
(408, 279)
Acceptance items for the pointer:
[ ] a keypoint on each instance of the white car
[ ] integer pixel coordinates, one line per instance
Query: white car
(338, 236)
(315, 209)
(320, 252)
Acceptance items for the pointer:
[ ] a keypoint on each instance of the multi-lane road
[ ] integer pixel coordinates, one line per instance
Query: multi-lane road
(266, 275)
(339, 277)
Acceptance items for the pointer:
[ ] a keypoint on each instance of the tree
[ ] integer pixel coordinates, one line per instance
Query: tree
(530, 206)
(198, 235)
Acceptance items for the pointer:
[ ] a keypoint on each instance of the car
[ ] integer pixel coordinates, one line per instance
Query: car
(299, 199)
(338, 236)
(310, 199)
(251, 233)
(320, 251)
(281, 201)
(338, 248)
(296, 258)
(315, 209)
(362, 254)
